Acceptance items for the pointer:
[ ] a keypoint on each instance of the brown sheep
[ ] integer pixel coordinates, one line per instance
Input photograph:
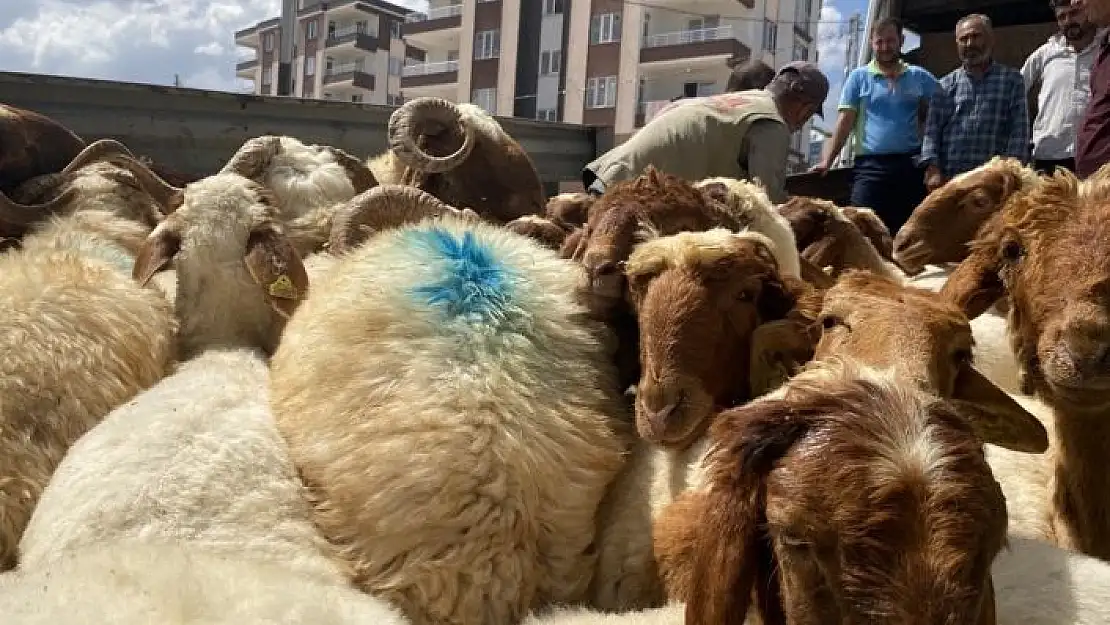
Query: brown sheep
(32, 144)
(569, 210)
(872, 227)
(859, 491)
(461, 155)
(943, 224)
(1048, 253)
(828, 237)
(698, 296)
(547, 231)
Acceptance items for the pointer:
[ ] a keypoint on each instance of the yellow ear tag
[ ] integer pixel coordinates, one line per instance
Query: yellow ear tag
(283, 287)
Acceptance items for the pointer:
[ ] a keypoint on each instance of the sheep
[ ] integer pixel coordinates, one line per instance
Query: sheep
(198, 457)
(461, 155)
(671, 614)
(749, 203)
(438, 340)
(1044, 253)
(383, 207)
(882, 432)
(33, 144)
(689, 289)
(81, 339)
(569, 210)
(546, 231)
(940, 228)
(174, 583)
(872, 227)
(826, 236)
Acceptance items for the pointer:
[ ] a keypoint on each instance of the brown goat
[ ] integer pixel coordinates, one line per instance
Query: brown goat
(872, 227)
(545, 231)
(1048, 252)
(698, 297)
(570, 210)
(461, 155)
(32, 144)
(828, 237)
(859, 492)
(941, 227)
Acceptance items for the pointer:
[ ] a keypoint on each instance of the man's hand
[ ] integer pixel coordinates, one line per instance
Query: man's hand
(933, 178)
(822, 166)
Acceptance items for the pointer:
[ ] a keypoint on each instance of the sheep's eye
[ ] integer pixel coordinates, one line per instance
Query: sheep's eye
(962, 356)
(829, 322)
(1012, 251)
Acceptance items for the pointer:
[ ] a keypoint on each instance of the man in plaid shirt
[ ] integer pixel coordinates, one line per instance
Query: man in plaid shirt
(979, 111)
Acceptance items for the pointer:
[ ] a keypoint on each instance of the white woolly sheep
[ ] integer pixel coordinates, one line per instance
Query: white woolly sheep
(81, 338)
(454, 416)
(749, 203)
(127, 583)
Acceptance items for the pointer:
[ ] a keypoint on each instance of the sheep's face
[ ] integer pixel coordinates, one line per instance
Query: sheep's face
(940, 228)
(544, 231)
(849, 499)
(872, 227)
(569, 209)
(1051, 253)
(807, 218)
(698, 297)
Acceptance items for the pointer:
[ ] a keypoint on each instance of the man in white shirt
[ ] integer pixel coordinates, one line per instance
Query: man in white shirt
(1060, 69)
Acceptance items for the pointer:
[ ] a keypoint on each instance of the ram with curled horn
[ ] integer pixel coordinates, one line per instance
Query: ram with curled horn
(460, 154)
(384, 207)
(32, 144)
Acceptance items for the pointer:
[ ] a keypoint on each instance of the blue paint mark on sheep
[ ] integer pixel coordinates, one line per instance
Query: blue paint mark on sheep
(474, 282)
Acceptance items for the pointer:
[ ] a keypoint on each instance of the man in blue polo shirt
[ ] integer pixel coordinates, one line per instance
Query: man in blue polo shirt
(884, 105)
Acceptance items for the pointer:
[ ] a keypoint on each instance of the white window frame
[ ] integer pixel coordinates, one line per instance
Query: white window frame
(310, 66)
(605, 28)
(485, 98)
(487, 44)
(268, 42)
(550, 62)
(770, 35)
(801, 51)
(310, 30)
(552, 7)
(395, 65)
(601, 92)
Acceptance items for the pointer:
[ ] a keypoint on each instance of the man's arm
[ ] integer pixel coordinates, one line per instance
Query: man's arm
(847, 112)
(936, 121)
(1032, 73)
(929, 86)
(768, 151)
(1017, 145)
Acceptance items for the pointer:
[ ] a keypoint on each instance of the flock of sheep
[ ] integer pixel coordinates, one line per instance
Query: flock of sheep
(310, 388)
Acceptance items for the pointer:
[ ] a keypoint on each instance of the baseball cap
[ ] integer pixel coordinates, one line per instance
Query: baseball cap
(811, 82)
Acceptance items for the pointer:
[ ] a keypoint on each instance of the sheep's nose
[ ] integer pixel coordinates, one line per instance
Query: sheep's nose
(606, 268)
(657, 406)
(1080, 357)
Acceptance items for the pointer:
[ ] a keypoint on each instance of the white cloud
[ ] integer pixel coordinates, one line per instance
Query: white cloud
(132, 40)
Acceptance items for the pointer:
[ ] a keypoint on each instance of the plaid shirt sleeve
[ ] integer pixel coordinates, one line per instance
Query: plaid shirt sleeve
(1017, 145)
(940, 111)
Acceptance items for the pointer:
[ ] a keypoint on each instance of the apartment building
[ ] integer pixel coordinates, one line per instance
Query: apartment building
(611, 64)
(343, 50)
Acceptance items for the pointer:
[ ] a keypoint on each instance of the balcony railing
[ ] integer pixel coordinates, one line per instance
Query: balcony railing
(680, 37)
(438, 13)
(424, 69)
(344, 68)
(353, 29)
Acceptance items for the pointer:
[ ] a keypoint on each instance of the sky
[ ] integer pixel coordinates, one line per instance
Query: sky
(152, 41)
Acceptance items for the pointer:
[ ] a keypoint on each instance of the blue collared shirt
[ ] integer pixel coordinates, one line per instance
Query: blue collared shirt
(887, 111)
(972, 119)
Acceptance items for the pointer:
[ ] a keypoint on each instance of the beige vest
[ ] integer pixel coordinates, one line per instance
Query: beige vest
(694, 138)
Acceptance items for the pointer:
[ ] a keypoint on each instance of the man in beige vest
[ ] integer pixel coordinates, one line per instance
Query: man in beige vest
(744, 134)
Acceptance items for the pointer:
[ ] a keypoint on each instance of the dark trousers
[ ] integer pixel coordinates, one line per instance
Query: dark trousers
(1048, 166)
(890, 184)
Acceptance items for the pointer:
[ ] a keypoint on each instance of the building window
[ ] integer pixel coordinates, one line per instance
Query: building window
(601, 92)
(485, 98)
(395, 30)
(605, 28)
(310, 30)
(452, 55)
(309, 90)
(547, 115)
(551, 7)
(356, 98)
(394, 100)
(550, 62)
(394, 66)
(310, 66)
(487, 44)
(801, 52)
(268, 42)
(803, 14)
(770, 35)
(267, 75)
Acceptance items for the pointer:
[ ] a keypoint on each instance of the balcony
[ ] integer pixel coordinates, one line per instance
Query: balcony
(349, 74)
(646, 110)
(440, 18)
(425, 74)
(246, 69)
(354, 36)
(709, 44)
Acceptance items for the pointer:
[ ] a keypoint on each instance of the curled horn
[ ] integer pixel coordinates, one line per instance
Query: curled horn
(98, 150)
(408, 122)
(253, 157)
(383, 207)
(158, 188)
(361, 177)
(18, 217)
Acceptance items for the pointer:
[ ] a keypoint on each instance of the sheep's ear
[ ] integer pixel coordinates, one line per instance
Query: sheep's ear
(779, 349)
(775, 300)
(997, 417)
(734, 555)
(155, 255)
(976, 283)
(276, 267)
